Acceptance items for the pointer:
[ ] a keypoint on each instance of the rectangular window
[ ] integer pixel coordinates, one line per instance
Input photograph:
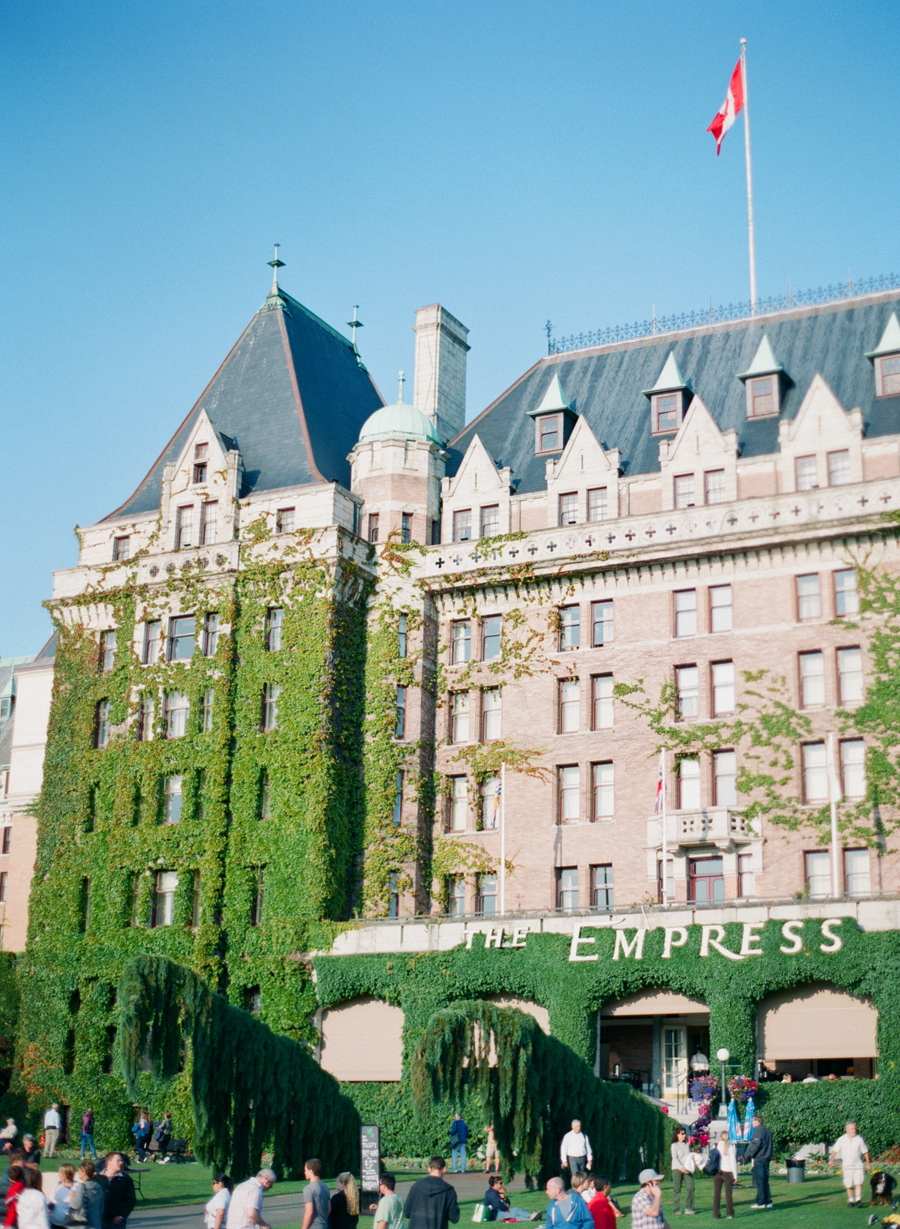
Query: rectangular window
(172, 797)
(176, 714)
(406, 527)
(815, 772)
(689, 785)
(602, 886)
(265, 796)
(818, 872)
(101, 724)
(714, 486)
(601, 623)
(602, 701)
(462, 525)
(487, 896)
(182, 633)
(490, 802)
(857, 878)
(400, 728)
(373, 527)
(459, 717)
(6, 707)
(889, 369)
(684, 490)
(812, 679)
(569, 791)
(809, 601)
(569, 628)
(164, 898)
(687, 686)
(270, 695)
(567, 887)
(604, 803)
(146, 713)
(548, 433)
(210, 634)
(152, 639)
(435, 533)
(284, 520)
(839, 468)
(746, 877)
(490, 521)
(6, 839)
(850, 676)
(569, 706)
(456, 896)
(846, 596)
(274, 626)
(491, 714)
(107, 651)
(3, 878)
(720, 615)
(597, 504)
(209, 513)
(724, 778)
(568, 508)
(491, 627)
(402, 636)
(394, 894)
(121, 548)
(665, 411)
(257, 897)
(706, 880)
(195, 902)
(461, 642)
(184, 527)
(807, 473)
(686, 612)
(762, 397)
(853, 767)
(206, 710)
(199, 472)
(722, 687)
(398, 800)
(459, 804)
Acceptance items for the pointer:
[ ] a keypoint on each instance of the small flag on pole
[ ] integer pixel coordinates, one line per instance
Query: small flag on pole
(659, 787)
(495, 804)
(730, 108)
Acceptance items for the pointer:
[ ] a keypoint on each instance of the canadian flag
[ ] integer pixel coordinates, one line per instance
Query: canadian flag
(728, 112)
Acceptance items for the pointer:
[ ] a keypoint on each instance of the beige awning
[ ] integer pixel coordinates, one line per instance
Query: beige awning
(655, 1003)
(816, 1021)
(362, 1039)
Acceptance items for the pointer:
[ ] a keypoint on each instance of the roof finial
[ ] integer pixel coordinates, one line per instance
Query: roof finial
(355, 324)
(402, 382)
(275, 265)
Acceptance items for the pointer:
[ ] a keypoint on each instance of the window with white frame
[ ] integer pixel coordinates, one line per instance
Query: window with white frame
(846, 596)
(857, 875)
(807, 473)
(284, 520)
(487, 896)
(687, 688)
(491, 629)
(209, 515)
(812, 679)
(714, 484)
(270, 695)
(597, 504)
(568, 508)
(839, 468)
(568, 778)
(817, 867)
(684, 491)
(746, 876)
(459, 717)
(602, 886)
(172, 797)
(176, 714)
(569, 628)
(814, 764)
(720, 611)
(724, 778)
(689, 784)
(274, 628)
(602, 701)
(853, 768)
(603, 791)
(456, 896)
(490, 521)
(490, 803)
(462, 525)
(121, 548)
(201, 461)
(850, 675)
(722, 687)
(402, 636)
(206, 710)
(569, 706)
(184, 527)
(146, 714)
(601, 623)
(491, 713)
(101, 724)
(400, 699)
(107, 651)
(210, 634)
(459, 804)
(809, 600)
(163, 913)
(685, 612)
(460, 642)
(152, 642)
(6, 707)
(567, 887)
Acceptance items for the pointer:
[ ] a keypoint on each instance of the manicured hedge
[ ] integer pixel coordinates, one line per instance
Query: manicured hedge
(799, 1114)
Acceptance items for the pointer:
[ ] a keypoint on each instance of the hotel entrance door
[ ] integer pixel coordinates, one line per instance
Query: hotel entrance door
(675, 1061)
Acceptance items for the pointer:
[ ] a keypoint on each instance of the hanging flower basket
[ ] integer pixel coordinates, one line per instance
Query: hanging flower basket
(704, 1087)
(742, 1088)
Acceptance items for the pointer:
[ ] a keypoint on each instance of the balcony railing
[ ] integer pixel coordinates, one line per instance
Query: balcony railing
(721, 827)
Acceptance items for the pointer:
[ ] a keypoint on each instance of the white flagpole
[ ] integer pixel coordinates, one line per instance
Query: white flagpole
(665, 842)
(834, 793)
(502, 839)
(749, 180)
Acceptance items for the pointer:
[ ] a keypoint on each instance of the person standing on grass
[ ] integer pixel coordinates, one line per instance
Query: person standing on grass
(725, 1175)
(646, 1206)
(245, 1207)
(316, 1197)
(682, 1173)
(118, 1187)
(759, 1151)
(389, 1209)
(51, 1130)
(575, 1152)
(490, 1151)
(459, 1133)
(853, 1152)
(344, 1210)
(87, 1133)
(431, 1202)
(217, 1209)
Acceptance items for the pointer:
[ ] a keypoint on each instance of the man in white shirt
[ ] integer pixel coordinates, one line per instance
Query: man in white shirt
(699, 1061)
(51, 1129)
(575, 1152)
(247, 1200)
(852, 1151)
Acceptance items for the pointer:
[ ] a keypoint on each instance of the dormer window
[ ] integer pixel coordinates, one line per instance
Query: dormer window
(553, 419)
(886, 358)
(201, 457)
(666, 412)
(667, 398)
(763, 382)
(762, 399)
(549, 433)
(889, 371)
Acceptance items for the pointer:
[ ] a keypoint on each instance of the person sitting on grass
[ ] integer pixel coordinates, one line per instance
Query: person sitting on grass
(496, 1202)
(566, 1208)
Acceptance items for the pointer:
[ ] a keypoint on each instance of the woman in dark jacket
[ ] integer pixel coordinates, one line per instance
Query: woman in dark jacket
(344, 1212)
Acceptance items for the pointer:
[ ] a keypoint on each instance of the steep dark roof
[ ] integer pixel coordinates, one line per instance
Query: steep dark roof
(604, 385)
(291, 396)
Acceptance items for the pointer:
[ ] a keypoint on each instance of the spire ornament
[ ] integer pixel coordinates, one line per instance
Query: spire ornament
(275, 265)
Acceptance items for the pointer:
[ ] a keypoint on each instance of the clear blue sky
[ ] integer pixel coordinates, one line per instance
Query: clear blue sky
(513, 161)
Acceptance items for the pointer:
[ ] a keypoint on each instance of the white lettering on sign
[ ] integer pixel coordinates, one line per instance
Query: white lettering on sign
(577, 938)
(835, 941)
(676, 936)
(494, 937)
(750, 940)
(707, 941)
(789, 932)
(636, 945)
(519, 935)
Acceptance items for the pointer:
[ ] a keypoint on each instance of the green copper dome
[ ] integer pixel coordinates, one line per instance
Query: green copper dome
(399, 420)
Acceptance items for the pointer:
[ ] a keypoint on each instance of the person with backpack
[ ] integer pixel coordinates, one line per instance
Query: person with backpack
(722, 1168)
(459, 1133)
(163, 1137)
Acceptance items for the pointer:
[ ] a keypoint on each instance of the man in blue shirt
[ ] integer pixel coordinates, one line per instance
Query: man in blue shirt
(567, 1208)
(459, 1133)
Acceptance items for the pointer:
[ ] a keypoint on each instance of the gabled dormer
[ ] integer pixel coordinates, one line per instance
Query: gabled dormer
(582, 484)
(554, 419)
(763, 382)
(822, 446)
(669, 398)
(698, 466)
(476, 499)
(886, 360)
(200, 489)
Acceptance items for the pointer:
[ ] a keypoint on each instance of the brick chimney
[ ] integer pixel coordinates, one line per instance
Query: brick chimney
(440, 378)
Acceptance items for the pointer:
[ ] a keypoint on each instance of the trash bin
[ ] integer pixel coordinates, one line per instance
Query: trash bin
(796, 1171)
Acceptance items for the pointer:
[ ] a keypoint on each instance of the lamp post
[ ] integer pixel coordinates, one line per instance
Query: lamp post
(723, 1057)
